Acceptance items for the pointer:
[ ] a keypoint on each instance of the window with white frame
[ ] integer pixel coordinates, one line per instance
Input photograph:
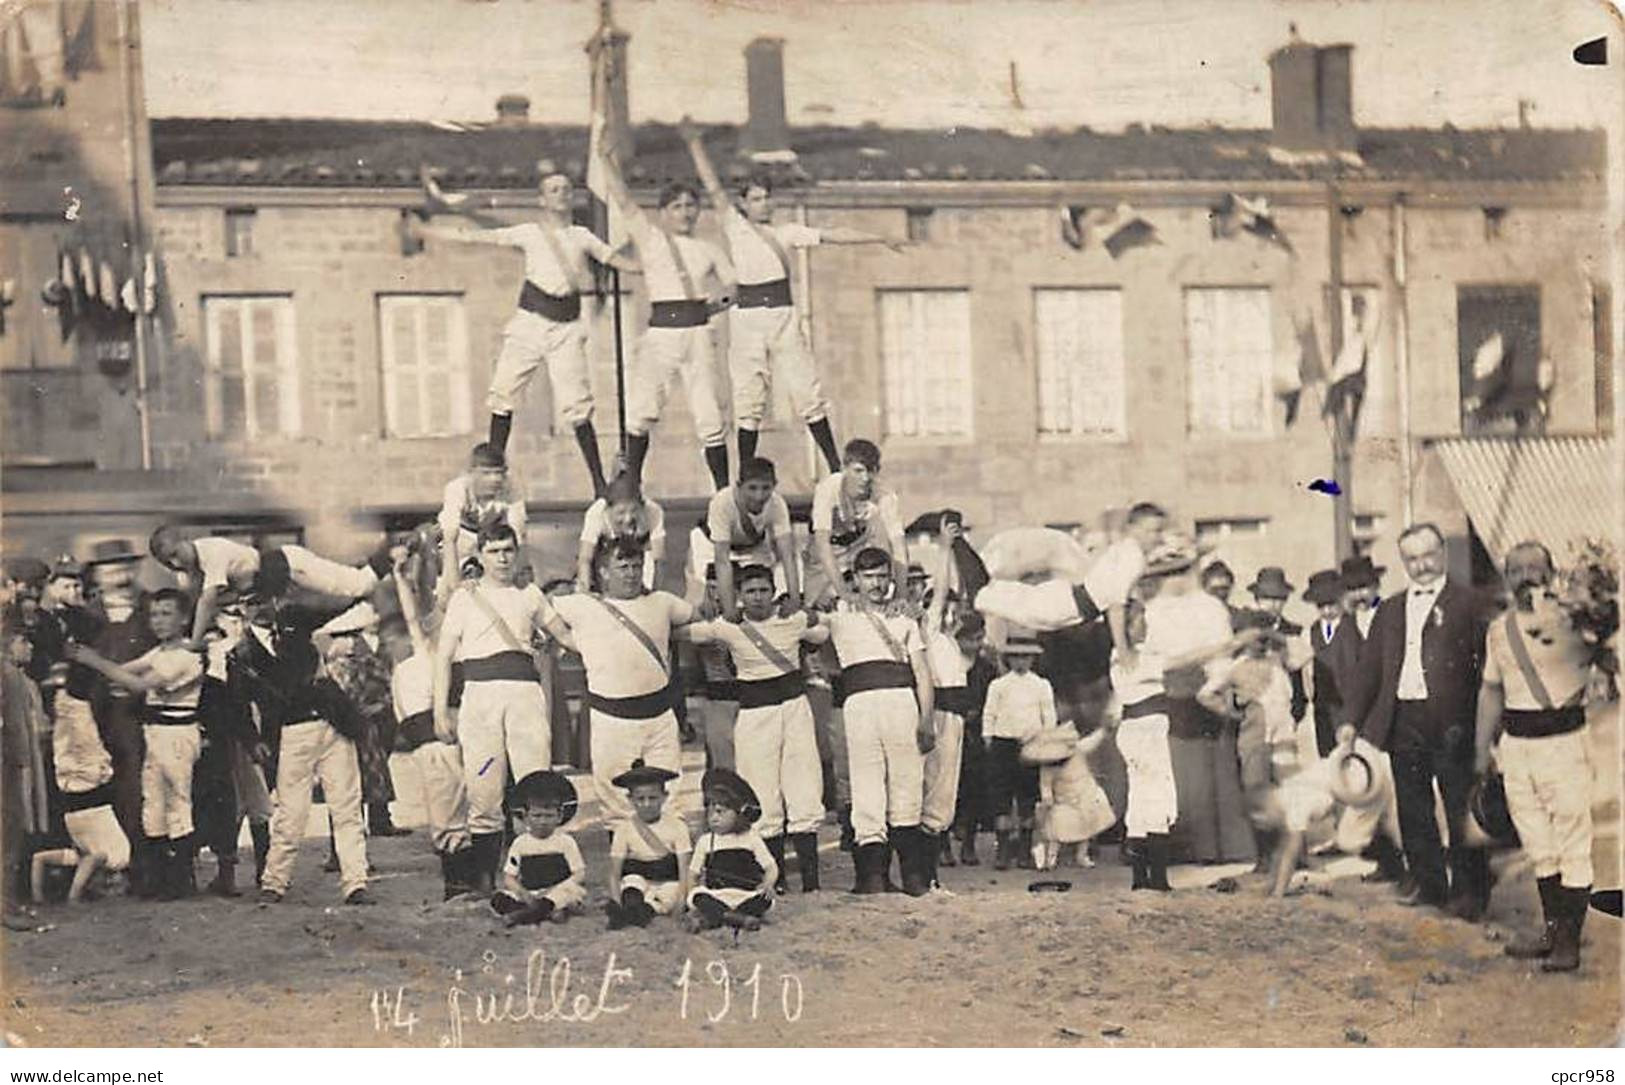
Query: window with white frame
(1228, 333)
(252, 366)
(424, 343)
(1231, 528)
(925, 354)
(1080, 362)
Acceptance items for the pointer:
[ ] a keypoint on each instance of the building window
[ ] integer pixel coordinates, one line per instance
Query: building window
(252, 386)
(1498, 341)
(1080, 362)
(919, 223)
(424, 342)
(1230, 529)
(925, 354)
(1228, 333)
(239, 231)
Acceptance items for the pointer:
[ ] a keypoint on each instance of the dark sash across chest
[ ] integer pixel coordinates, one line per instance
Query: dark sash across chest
(732, 868)
(537, 872)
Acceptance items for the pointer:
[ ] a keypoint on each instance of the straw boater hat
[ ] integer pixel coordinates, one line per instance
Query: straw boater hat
(547, 788)
(1271, 583)
(1487, 802)
(1354, 777)
(640, 773)
(1325, 586)
(1022, 642)
(1051, 746)
(1174, 554)
(727, 788)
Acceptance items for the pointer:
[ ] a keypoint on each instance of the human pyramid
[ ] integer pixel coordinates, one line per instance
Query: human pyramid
(933, 735)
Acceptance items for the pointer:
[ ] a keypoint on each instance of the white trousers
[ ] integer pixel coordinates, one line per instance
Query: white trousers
(568, 894)
(96, 831)
(166, 778)
(315, 573)
(1548, 785)
(1153, 802)
(776, 751)
(530, 339)
(942, 772)
(759, 342)
(663, 897)
(315, 751)
(616, 743)
(887, 768)
(1043, 608)
(502, 727)
(663, 354)
(445, 795)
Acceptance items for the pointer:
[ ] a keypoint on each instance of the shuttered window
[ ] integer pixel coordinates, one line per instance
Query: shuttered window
(925, 348)
(1080, 362)
(1227, 331)
(424, 347)
(252, 385)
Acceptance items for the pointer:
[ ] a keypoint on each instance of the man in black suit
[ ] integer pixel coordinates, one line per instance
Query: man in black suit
(1325, 593)
(1414, 695)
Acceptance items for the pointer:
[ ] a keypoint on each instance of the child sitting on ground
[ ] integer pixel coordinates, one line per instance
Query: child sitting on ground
(648, 853)
(733, 869)
(544, 877)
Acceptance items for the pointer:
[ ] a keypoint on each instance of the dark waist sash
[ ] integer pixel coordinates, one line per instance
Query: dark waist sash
(844, 539)
(722, 689)
(1188, 719)
(169, 717)
(538, 872)
(1155, 705)
(644, 707)
(1088, 611)
(274, 576)
(663, 869)
(502, 667)
(732, 868)
(1544, 722)
(876, 674)
(679, 314)
(562, 310)
(956, 699)
(74, 801)
(770, 295)
(762, 692)
(416, 730)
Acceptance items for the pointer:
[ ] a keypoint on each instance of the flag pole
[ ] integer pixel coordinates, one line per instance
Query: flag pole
(1342, 427)
(620, 356)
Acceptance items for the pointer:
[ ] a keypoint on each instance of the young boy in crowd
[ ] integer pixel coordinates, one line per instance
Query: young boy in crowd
(171, 677)
(1140, 710)
(732, 868)
(622, 513)
(485, 494)
(543, 878)
(648, 853)
(1019, 705)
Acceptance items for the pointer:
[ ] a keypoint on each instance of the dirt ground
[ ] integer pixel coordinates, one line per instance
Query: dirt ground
(991, 965)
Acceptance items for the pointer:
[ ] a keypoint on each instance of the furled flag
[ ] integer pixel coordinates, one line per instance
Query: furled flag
(603, 141)
(1116, 229)
(1311, 369)
(1346, 389)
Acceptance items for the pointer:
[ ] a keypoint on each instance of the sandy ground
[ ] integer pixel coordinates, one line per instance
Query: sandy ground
(991, 965)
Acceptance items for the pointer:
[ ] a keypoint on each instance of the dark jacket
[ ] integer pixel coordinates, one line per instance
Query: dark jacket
(288, 686)
(1452, 662)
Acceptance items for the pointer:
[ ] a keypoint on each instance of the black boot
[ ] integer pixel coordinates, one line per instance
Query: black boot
(501, 425)
(775, 848)
(261, 832)
(967, 849)
(911, 845)
(487, 857)
(539, 911)
(1565, 955)
(1529, 949)
(637, 450)
(635, 908)
(747, 444)
(868, 860)
(169, 871)
(379, 823)
(806, 846)
(1024, 850)
(1156, 862)
(825, 438)
(1390, 860)
(225, 879)
(886, 884)
(587, 439)
(1136, 854)
(151, 873)
(716, 460)
(1004, 847)
(849, 839)
(709, 911)
(945, 850)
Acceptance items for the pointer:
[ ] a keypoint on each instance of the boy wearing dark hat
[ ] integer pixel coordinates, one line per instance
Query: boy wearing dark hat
(890, 727)
(733, 870)
(543, 877)
(774, 741)
(648, 853)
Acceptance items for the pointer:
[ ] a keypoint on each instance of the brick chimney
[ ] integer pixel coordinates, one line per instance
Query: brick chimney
(513, 110)
(768, 128)
(1312, 97)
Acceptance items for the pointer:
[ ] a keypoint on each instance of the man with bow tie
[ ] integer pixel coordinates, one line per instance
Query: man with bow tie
(1414, 694)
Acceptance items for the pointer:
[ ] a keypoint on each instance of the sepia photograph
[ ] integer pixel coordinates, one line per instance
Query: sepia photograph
(1048, 524)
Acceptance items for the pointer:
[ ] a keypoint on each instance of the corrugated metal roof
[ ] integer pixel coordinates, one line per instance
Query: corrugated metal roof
(1556, 490)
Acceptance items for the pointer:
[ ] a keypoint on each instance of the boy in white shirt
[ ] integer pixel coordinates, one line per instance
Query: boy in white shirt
(485, 494)
(749, 522)
(648, 852)
(1019, 705)
(622, 513)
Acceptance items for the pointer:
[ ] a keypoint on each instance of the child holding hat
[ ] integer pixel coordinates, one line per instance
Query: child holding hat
(732, 866)
(648, 852)
(543, 877)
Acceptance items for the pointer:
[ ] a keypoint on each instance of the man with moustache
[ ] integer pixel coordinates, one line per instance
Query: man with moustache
(1414, 696)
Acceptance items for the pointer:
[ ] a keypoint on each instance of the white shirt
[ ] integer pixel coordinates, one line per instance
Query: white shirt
(750, 662)
(1419, 604)
(226, 563)
(1114, 574)
(725, 520)
(595, 525)
(877, 519)
(1177, 625)
(180, 676)
(617, 664)
(858, 641)
(1363, 619)
(478, 635)
(661, 276)
(754, 258)
(948, 667)
(411, 686)
(1563, 666)
(627, 843)
(576, 243)
(459, 511)
(1018, 706)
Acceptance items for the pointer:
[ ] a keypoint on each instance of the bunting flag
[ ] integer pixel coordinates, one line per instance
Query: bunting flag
(1238, 214)
(1346, 385)
(1116, 229)
(107, 286)
(1311, 370)
(87, 275)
